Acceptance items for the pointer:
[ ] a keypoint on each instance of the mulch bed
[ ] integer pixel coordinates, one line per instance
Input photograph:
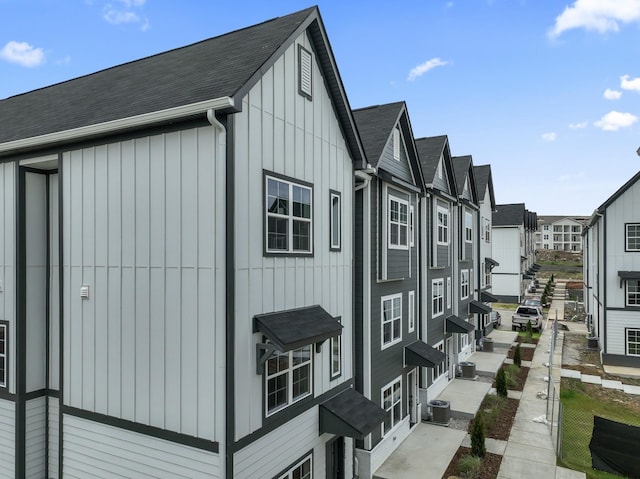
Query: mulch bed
(520, 379)
(490, 464)
(526, 354)
(520, 339)
(502, 427)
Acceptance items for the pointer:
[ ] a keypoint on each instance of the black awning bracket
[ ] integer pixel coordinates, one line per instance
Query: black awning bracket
(263, 352)
(319, 346)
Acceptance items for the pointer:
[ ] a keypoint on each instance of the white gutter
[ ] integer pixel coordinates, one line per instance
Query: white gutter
(120, 124)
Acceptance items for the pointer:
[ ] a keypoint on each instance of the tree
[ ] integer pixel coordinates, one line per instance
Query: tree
(478, 447)
(517, 359)
(501, 383)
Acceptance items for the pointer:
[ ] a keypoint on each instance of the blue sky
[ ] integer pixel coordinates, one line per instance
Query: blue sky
(548, 93)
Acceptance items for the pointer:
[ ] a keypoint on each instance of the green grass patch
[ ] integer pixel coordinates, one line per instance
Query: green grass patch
(534, 335)
(491, 407)
(577, 425)
(509, 306)
(561, 263)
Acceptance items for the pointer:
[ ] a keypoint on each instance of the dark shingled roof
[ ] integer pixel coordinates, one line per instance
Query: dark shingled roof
(419, 353)
(483, 177)
(223, 66)
(374, 125)
(350, 414)
(508, 215)
(463, 167)
(429, 150)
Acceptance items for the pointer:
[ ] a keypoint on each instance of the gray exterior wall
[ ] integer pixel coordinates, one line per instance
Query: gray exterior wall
(36, 443)
(7, 261)
(7, 438)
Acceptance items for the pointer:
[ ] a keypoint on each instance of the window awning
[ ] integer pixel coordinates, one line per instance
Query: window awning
(419, 353)
(629, 275)
(296, 328)
(527, 276)
(455, 324)
(350, 414)
(535, 267)
(478, 307)
(491, 262)
(487, 297)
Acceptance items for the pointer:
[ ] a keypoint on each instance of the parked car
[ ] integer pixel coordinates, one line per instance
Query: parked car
(495, 318)
(524, 314)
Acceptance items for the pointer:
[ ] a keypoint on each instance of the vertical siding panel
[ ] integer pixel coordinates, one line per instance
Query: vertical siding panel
(173, 335)
(243, 157)
(101, 342)
(157, 203)
(207, 365)
(157, 348)
(189, 347)
(128, 351)
(128, 223)
(114, 338)
(173, 200)
(54, 305)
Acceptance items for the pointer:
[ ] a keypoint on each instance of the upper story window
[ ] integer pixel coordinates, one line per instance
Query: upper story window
(288, 211)
(437, 297)
(398, 223)
(301, 470)
(464, 284)
(411, 320)
(391, 319)
(633, 292)
(412, 227)
(576, 229)
(443, 225)
(396, 144)
(305, 72)
(288, 378)
(468, 226)
(336, 356)
(487, 274)
(545, 227)
(336, 220)
(4, 337)
(632, 237)
(441, 368)
(392, 403)
(487, 230)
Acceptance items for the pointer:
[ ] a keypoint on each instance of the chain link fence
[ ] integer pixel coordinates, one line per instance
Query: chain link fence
(554, 407)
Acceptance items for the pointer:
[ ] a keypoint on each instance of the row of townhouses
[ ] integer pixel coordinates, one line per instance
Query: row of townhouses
(211, 267)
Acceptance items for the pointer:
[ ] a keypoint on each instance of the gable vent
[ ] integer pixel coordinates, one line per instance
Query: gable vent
(305, 65)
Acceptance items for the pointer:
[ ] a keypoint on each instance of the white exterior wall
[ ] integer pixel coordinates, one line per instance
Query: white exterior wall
(506, 251)
(143, 227)
(54, 288)
(7, 438)
(54, 429)
(617, 321)
(93, 450)
(486, 250)
(281, 131)
(36, 443)
(7, 262)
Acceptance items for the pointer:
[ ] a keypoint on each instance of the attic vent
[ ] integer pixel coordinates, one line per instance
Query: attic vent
(305, 65)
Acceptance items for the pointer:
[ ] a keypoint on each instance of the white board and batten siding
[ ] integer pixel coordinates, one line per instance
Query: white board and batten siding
(280, 131)
(7, 260)
(617, 322)
(93, 450)
(36, 438)
(143, 227)
(7, 439)
(54, 287)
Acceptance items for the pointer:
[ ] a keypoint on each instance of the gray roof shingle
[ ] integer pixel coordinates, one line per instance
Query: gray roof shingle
(374, 125)
(430, 150)
(509, 215)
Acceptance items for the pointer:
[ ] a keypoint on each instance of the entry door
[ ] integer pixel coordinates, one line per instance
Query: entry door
(335, 458)
(412, 397)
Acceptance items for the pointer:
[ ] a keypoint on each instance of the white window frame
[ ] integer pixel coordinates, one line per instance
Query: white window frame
(4, 340)
(437, 297)
(487, 230)
(635, 342)
(289, 216)
(335, 221)
(632, 292)
(335, 356)
(394, 404)
(412, 226)
(468, 226)
(300, 467)
(396, 144)
(411, 311)
(449, 293)
(289, 373)
(394, 320)
(399, 223)
(635, 238)
(487, 275)
(464, 284)
(464, 341)
(441, 369)
(442, 226)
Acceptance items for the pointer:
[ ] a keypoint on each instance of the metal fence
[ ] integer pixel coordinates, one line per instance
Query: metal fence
(554, 407)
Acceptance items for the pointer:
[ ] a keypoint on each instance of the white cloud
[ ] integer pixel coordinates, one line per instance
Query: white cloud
(423, 68)
(610, 94)
(125, 12)
(630, 84)
(22, 53)
(550, 136)
(578, 126)
(596, 15)
(614, 120)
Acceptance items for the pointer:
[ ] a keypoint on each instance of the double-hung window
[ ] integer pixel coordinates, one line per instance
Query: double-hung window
(336, 356)
(468, 226)
(633, 292)
(336, 221)
(4, 338)
(392, 403)
(487, 230)
(633, 342)
(632, 237)
(437, 297)
(412, 226)
(464, 284)
(411, 320)
(398, 223)
(487, 275)
(391, 319)
(441, 368)
(301, 470)
(288, 378)
(443, 225)
(289, 221)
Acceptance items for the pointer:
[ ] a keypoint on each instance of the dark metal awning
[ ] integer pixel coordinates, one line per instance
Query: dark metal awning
(421, 354)
(625, 275)
(455, 324)
(535, 267)
(527, 276)
(487, 297)
(478, 307)
(350, 414)
(296, 328)
(491, 262)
